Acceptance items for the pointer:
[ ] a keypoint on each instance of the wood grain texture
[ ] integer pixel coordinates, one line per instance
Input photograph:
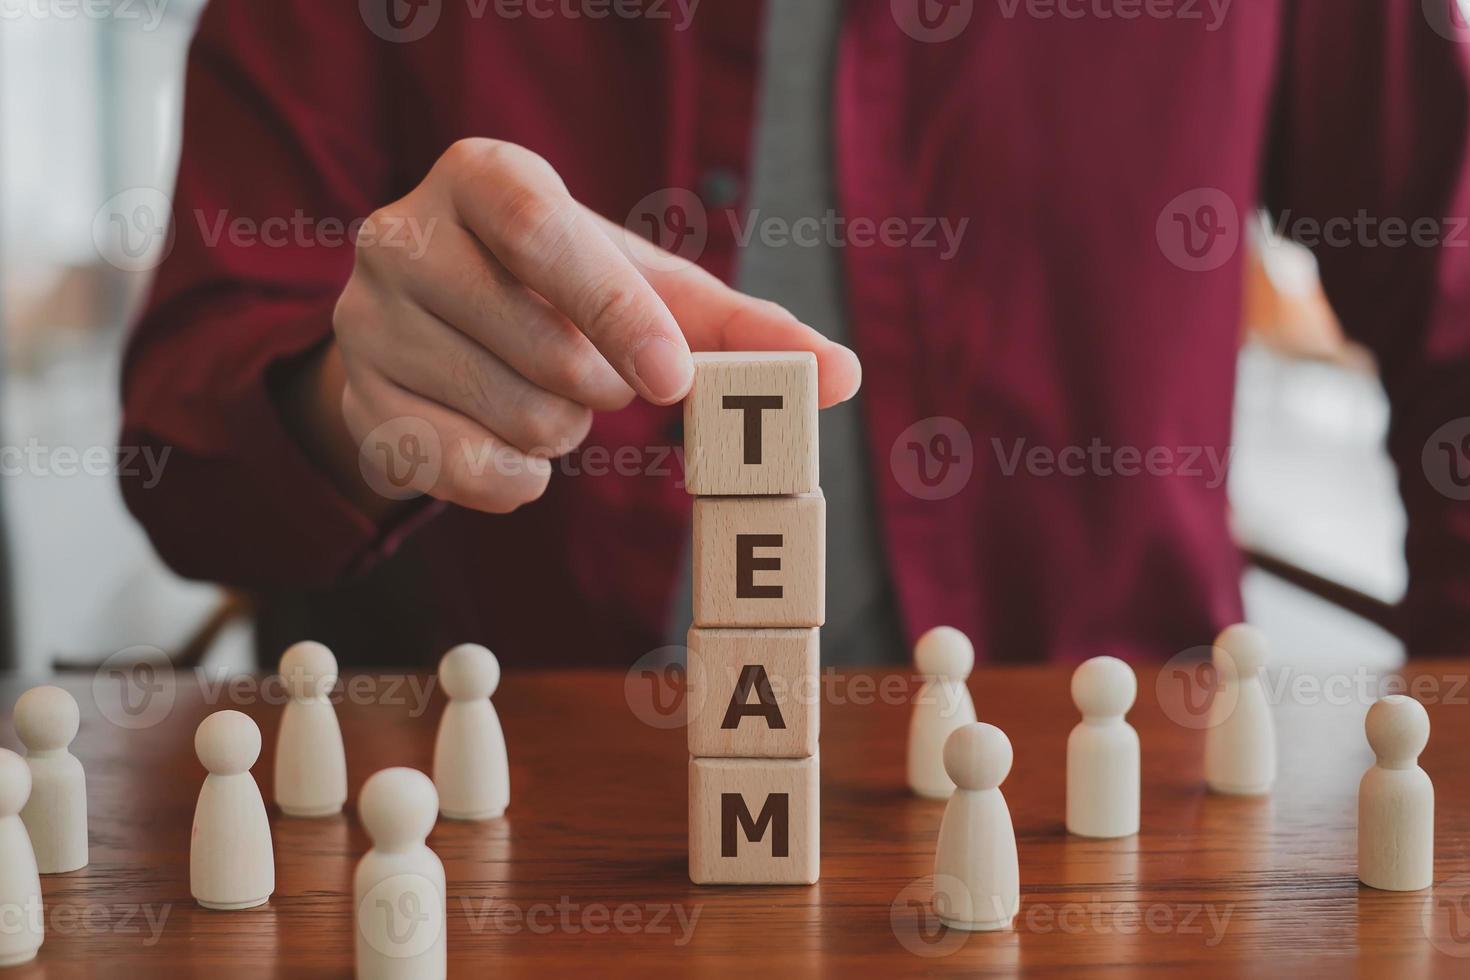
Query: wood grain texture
(720, 417)
(754, 693)
(760, 561)
(587, 872)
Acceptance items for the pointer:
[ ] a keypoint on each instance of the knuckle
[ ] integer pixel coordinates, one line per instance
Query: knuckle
(471, 383)
(570, 373)
(558, 428)
(611, 309)
(473, 154)
(540, 223)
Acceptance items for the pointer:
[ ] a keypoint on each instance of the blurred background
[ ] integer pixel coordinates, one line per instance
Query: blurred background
(90, 99)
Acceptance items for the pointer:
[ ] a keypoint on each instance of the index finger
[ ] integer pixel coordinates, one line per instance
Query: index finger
(514, 202)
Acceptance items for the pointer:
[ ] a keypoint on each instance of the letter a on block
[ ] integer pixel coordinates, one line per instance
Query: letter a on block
(753, 693)
(750, 424)
(753, 821)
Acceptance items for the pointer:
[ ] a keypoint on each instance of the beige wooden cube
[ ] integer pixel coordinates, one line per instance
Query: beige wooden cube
(760, 561)
(754, 821)
(750, 424)
(753, 693)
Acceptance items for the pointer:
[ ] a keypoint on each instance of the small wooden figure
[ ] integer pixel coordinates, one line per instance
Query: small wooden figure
(20, 884)
(1396, 800)
(311, 762)
(471, 771)
(1240, 742)
(46, 721)
(232, 862)
(945, 657)
(1103, 760)
(977, 878)
(399, 891)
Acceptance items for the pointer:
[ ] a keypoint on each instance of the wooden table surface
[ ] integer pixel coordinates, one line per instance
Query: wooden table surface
(587, 871)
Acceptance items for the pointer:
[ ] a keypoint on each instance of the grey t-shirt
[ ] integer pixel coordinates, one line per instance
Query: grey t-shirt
(792, 179)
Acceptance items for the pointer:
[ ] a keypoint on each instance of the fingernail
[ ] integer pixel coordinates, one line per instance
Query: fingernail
(665, 370)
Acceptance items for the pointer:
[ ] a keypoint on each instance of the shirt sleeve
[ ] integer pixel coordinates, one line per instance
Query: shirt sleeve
(283, 151)
(1369, 169)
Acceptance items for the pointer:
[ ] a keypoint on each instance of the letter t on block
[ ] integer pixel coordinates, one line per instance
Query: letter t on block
(750, 424)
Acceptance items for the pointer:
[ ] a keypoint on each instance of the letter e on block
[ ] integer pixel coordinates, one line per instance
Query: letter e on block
(760, 561)
(750, 424)
(754, 821)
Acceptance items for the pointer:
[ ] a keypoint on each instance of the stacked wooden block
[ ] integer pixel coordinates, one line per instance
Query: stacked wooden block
(750, 457)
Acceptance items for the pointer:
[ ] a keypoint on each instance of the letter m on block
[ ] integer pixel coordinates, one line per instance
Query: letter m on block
(735, 818)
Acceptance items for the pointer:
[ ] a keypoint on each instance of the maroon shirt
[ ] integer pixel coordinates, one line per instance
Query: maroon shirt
(1092, 299)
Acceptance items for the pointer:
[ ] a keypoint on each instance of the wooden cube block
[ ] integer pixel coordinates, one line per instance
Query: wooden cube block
(754, 821)
(753, 693)
(750, 424)
(760, 561)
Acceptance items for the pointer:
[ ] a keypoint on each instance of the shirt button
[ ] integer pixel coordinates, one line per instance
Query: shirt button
(719, 187)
